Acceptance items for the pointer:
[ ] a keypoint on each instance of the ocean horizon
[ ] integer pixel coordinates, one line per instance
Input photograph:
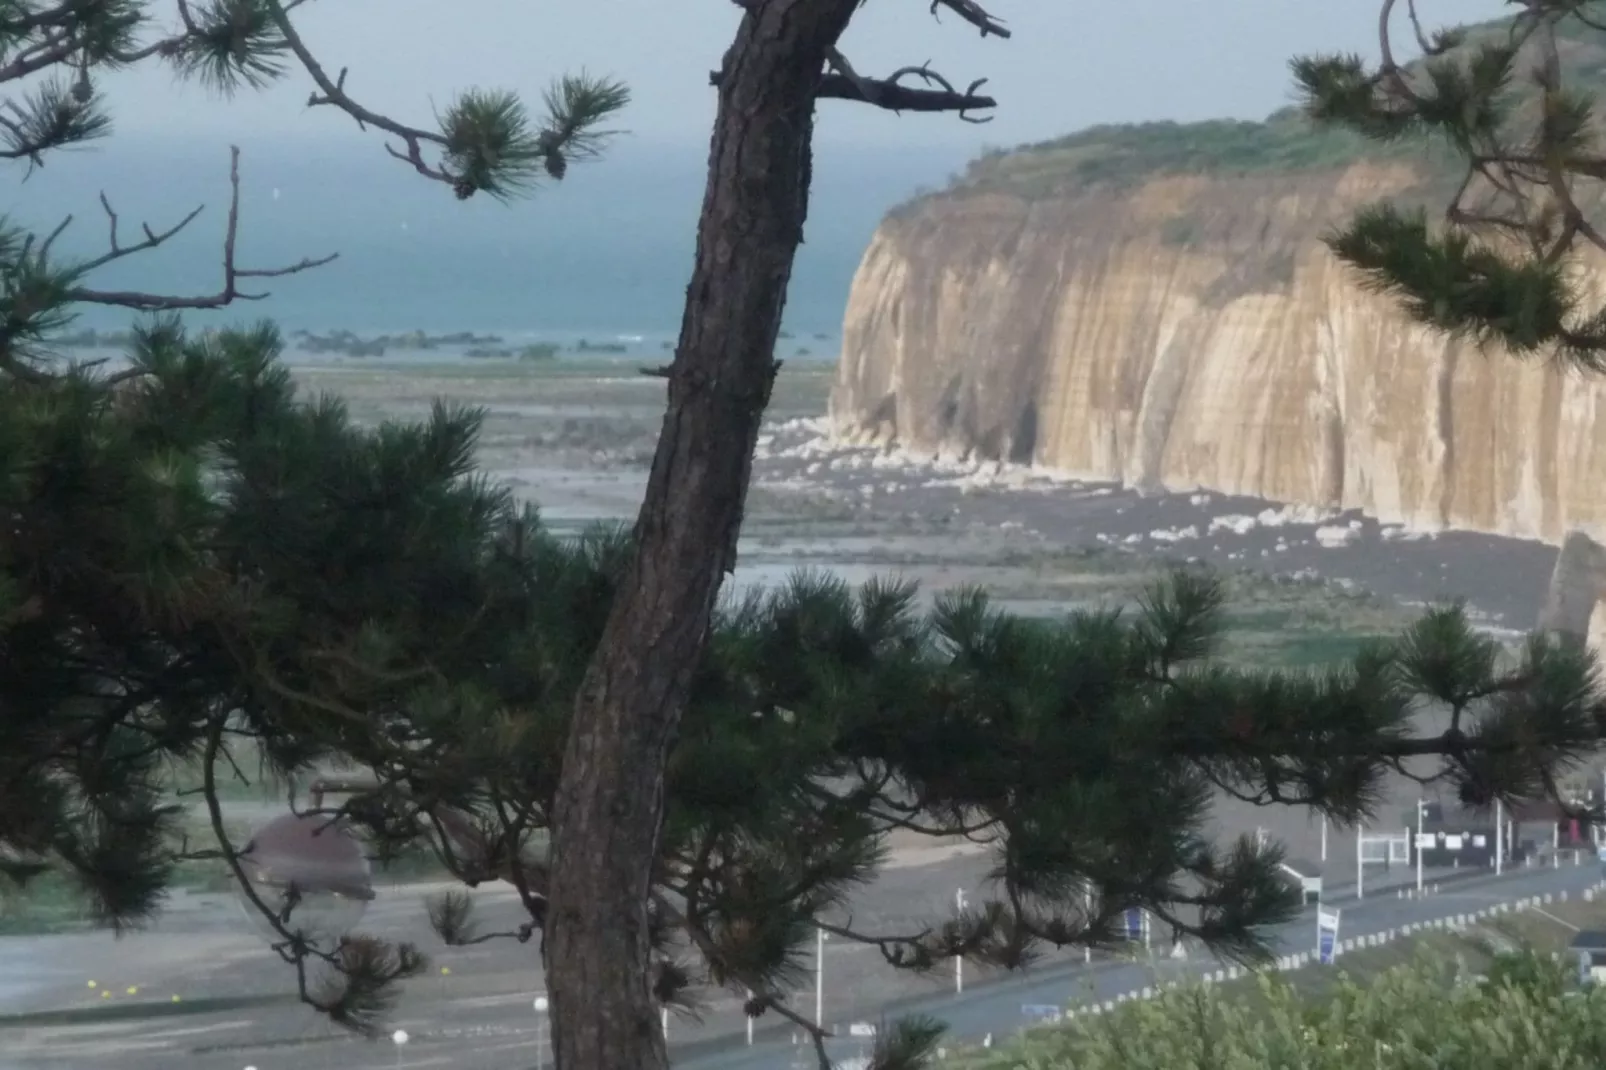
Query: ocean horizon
(604, 255)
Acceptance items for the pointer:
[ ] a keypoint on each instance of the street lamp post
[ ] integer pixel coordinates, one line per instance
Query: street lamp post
(819, 977)
(1087, 901)
(959, 960)
(1421, 811)
(400, 1039)
(1360, 862)
(1499, 838)
(1324, 838)
(540, 1030)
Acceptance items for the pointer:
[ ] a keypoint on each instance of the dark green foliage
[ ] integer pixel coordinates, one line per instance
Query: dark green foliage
(190, 556)
(908, 1044)
(1514, 103)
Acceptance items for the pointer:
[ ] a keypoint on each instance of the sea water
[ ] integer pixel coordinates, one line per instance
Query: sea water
(603, 256)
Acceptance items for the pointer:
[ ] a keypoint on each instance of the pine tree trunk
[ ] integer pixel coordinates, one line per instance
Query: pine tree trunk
(609, 806)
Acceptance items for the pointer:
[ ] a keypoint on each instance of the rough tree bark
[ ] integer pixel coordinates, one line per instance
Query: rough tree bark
(609, 806)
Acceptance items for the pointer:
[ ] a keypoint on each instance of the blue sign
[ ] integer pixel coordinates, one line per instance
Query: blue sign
(1134, 924)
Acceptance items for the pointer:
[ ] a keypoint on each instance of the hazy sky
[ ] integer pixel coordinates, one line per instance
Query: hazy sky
(1071, 63)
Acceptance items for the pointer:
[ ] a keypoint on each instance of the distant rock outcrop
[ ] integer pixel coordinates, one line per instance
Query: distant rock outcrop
(1154, 304)
(1575, 604)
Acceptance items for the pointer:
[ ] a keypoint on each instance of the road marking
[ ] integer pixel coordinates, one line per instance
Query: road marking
(1547, 914)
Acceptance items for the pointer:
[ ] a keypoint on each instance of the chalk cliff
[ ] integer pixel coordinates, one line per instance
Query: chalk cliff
(1154, 305)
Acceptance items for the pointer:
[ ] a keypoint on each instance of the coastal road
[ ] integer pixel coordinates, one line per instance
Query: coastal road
(235, 1012)
(996, 1008)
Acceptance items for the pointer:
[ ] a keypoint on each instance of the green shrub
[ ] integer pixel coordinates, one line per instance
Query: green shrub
(1527, 1014)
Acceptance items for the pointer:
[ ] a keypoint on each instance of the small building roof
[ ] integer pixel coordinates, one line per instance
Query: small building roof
(1589, 940)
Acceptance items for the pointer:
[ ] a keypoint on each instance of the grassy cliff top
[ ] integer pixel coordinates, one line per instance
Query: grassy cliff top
(1285, 142)
(1100, 155)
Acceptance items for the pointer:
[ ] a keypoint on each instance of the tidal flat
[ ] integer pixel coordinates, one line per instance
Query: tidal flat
(576, 438)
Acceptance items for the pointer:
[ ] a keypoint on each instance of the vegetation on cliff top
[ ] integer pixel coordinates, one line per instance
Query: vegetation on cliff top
(1285, 142)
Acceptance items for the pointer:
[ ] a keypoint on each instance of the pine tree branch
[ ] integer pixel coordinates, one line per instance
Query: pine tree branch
(973, 13)
(485, 140)
(891, 94)
(451, 915)
(1520, 185)
(532, 881)
(842, 82)
(116, 250)
(759, 994)
(232, 272)
(47, 53)
(332, 92)
(58, 47)
(817, 1032)
(367, 969)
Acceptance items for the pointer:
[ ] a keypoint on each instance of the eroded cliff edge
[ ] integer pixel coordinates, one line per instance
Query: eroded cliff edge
(1190, 330)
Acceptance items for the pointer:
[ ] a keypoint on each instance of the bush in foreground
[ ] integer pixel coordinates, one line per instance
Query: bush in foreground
(1527, 1013)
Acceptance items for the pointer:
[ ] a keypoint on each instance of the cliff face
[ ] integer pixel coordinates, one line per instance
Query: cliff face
(1191, 331)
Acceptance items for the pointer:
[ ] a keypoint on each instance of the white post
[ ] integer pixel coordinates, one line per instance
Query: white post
(1421, 809)
(1499, 838)
(1145, 917)
(1360, 862)
(1324, 837)
(663, 1023)
(540, 1031)
(819, 978)
(1087, 899)
(959, 960)
(749, 1018)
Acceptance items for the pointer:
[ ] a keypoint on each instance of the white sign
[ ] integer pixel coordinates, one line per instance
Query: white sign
(861, 1029)
(1427, 840)
(1480, 841)
(1326, 936)
(1453, 842)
